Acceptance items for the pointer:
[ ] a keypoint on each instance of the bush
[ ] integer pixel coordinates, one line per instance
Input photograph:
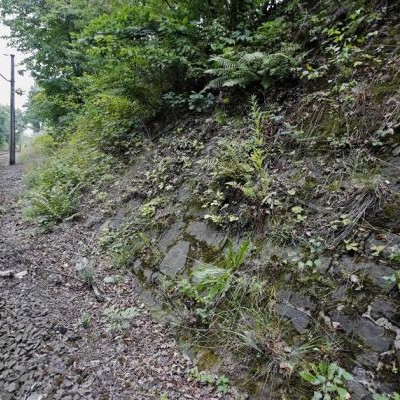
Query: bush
(111, 123)
(54, 188)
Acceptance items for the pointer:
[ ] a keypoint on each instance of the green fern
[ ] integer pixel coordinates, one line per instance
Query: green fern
(256, 67)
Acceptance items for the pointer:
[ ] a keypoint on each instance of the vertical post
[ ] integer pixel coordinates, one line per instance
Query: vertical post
(12, 112)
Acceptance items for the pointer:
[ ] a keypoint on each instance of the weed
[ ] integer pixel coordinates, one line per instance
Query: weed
(85, 272)
(127, 248)
(395, 256)
(210, 283)
(120, 320)
(394, 278)
(329, 379)
(55, 186)
(149, 209)
(221, 382)
(85, 320)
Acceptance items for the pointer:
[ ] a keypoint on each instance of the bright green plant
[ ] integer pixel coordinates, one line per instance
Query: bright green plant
(85, 320)
(210, 283)
(395, 256)
(329, 380)
(149, 209)
(126, 248)
(55, 187)
(85, 273)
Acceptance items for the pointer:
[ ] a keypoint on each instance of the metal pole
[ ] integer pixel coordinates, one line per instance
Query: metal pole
(12, 112)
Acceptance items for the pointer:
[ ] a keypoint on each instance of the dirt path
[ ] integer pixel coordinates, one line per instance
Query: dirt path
(54, 342)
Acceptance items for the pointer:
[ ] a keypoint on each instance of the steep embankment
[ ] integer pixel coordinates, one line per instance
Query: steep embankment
(319, 282)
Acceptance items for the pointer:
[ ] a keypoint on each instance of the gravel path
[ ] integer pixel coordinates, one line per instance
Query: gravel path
(55, 339)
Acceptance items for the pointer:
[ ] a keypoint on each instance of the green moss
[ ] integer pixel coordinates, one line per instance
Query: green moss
(208, 360)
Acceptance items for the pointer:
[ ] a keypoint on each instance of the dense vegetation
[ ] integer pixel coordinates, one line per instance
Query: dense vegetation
(304, 106)
(109, 72)
(20, 125)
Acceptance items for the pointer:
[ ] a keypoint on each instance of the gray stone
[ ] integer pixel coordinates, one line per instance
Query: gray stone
(391, 242)
(205, 234)
(169, 237)
(375, 337)
(36, 396)
(348, 266)
(296, 300)
(340, 293)
(368, 359)
(175, 260)
(299, 319)
(383, 308)
(147, 273)
(358, 391)
(377, 274)
(137, 266)
(374, 271)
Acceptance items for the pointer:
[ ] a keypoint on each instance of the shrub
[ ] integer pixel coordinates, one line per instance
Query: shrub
(54, 187)
(111, 123)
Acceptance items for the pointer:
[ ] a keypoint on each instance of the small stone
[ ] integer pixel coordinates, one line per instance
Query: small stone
(299, 319)
(383, 308)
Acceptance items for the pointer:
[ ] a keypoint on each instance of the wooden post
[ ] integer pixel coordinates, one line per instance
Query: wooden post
(12, 112)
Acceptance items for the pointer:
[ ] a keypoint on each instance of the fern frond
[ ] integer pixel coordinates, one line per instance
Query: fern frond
(216, 83)
(224, 62)
(250, 57)
(235, 82)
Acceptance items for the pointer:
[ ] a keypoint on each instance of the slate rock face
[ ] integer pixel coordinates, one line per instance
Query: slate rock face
(382, 308)
(169, 237)
(376, 337)
(175, 260)
(375, 272)
(205, 234)
(299, 319)
(296, 308)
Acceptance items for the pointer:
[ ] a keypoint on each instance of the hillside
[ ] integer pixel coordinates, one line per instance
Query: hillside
(238, 164)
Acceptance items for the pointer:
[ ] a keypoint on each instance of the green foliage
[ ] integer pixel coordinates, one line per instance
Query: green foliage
(126, 249)
(241, 164)
(85, 272)
(245, 69)
(119, 320)
(85, 320)
(329, 379)
(210, 283)
(54, 188)
(394, 279)
(108, 122)
(221, 382)
(4, 125)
